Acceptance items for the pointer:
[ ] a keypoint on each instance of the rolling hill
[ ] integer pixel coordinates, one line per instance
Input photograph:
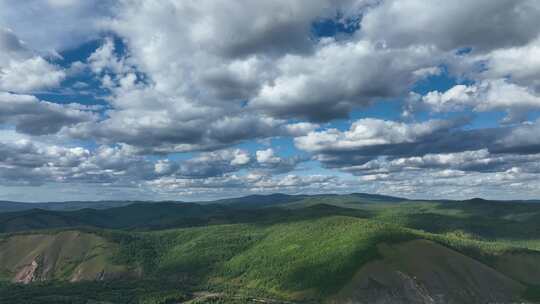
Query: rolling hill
(250, 202)
(8, 206)
(315, 249)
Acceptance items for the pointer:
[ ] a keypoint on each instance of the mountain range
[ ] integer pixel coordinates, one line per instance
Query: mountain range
(354, 248)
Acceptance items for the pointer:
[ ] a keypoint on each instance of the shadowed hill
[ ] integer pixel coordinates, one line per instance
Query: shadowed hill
(516, 222)
(7, 206)
(156, 216)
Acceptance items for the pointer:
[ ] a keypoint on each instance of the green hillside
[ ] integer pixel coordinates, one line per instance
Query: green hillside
(302, 252)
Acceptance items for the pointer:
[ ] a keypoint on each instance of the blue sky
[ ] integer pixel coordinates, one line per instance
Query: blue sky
(211, 99)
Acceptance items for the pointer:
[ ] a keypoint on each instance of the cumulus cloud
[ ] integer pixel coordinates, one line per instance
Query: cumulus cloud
(487, 95)
(448, 165)
(519, 64)
(227, 161)
(208, 44)
(30, 75)
(482, 25)
(32, 116)
(268, 160)
(211, 164)
(181, 77)
(23, 71)
(372, 132)
(339, 76)
(443, 184)
(66, 23)
(143, 114)
(368, 139)
(26, 162)
(231, 185)
(230, 88)
(11, 46)
(294, 83)
(277, 27)
(161, 131)
(300, 128)
(267, 156)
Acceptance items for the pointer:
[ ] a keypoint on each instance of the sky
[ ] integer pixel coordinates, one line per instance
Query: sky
(198, 100)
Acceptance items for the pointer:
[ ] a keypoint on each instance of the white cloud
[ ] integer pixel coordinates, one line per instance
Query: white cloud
(240, 158)
(487, 95)
(301, 128)
(11, 47)
(481, 24)
(182, 76)
(232, 185)
(339, 76)
(369, 132)
(519, 63)
(30, 75)
(23, 71)
(55, 25)
(267, 156)
(164, 167)
(29, 115)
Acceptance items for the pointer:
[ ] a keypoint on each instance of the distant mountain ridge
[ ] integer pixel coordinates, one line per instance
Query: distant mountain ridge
(10, 206)
(249, 201)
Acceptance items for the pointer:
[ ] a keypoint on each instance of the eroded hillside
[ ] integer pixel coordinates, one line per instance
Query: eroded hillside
(69, 256)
